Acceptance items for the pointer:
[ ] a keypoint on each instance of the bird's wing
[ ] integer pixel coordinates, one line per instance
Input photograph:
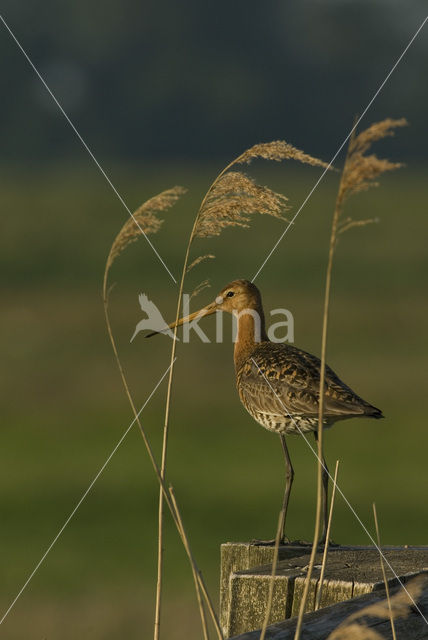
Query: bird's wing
(279, 379)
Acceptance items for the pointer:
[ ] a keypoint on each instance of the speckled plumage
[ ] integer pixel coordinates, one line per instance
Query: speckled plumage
(278, 384)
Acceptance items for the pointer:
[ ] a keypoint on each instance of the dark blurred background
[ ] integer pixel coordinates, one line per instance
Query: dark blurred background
(168, 93)
(155, 80)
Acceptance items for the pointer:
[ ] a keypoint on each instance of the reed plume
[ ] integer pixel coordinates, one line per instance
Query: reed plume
(361, 170)
(143, 221)
(359, 174)
(233, 198)
(232, 201)
(199, 259)
(278, 150)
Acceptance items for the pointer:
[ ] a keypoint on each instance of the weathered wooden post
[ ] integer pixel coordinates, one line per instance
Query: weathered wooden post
(350, 572)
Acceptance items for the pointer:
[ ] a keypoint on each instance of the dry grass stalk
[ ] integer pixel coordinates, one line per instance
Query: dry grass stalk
(385, 581)
(272, 577)
(399, 605)
(324, 555)
(205, 284)
(199, 259)
(358, 174)
(347, 224)
(194, 572)
(143, 221)
(172, 504)
(147, 222)
(197, 573)
(173, 507)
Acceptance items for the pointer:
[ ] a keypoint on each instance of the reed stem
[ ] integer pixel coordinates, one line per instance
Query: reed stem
(324, 556)
(333, 240)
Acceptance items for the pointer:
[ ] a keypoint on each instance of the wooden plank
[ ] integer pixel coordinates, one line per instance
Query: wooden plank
(320, 624)
(299, 585)
(248, 600)
(350, 571)
(334, 591)
(240, 556)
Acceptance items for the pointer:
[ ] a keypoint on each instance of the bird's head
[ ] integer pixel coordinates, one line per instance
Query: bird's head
(233, 298)
(237, 296)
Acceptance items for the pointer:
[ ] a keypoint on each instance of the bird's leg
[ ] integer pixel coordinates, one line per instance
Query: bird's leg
(325, 476)
(289, 475)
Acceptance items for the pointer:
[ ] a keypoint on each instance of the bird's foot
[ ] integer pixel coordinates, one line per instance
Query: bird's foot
(271, 543)
(293, 543)
(263, 543)
(301, 543)
(330, 543)
(307, 543)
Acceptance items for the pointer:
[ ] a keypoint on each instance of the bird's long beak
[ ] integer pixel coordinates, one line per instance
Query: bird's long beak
(205, 311)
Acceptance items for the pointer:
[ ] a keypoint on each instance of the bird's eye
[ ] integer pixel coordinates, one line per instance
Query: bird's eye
(229, 294)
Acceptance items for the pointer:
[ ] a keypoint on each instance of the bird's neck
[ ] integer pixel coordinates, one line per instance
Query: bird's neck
(251, 332)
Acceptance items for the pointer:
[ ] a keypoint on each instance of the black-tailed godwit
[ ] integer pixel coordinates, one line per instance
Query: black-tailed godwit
(278, 383)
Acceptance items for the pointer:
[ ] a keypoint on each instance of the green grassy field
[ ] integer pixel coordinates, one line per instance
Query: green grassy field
(64, 408)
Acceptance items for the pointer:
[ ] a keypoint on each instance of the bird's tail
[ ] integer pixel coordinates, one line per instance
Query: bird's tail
(373, 412)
